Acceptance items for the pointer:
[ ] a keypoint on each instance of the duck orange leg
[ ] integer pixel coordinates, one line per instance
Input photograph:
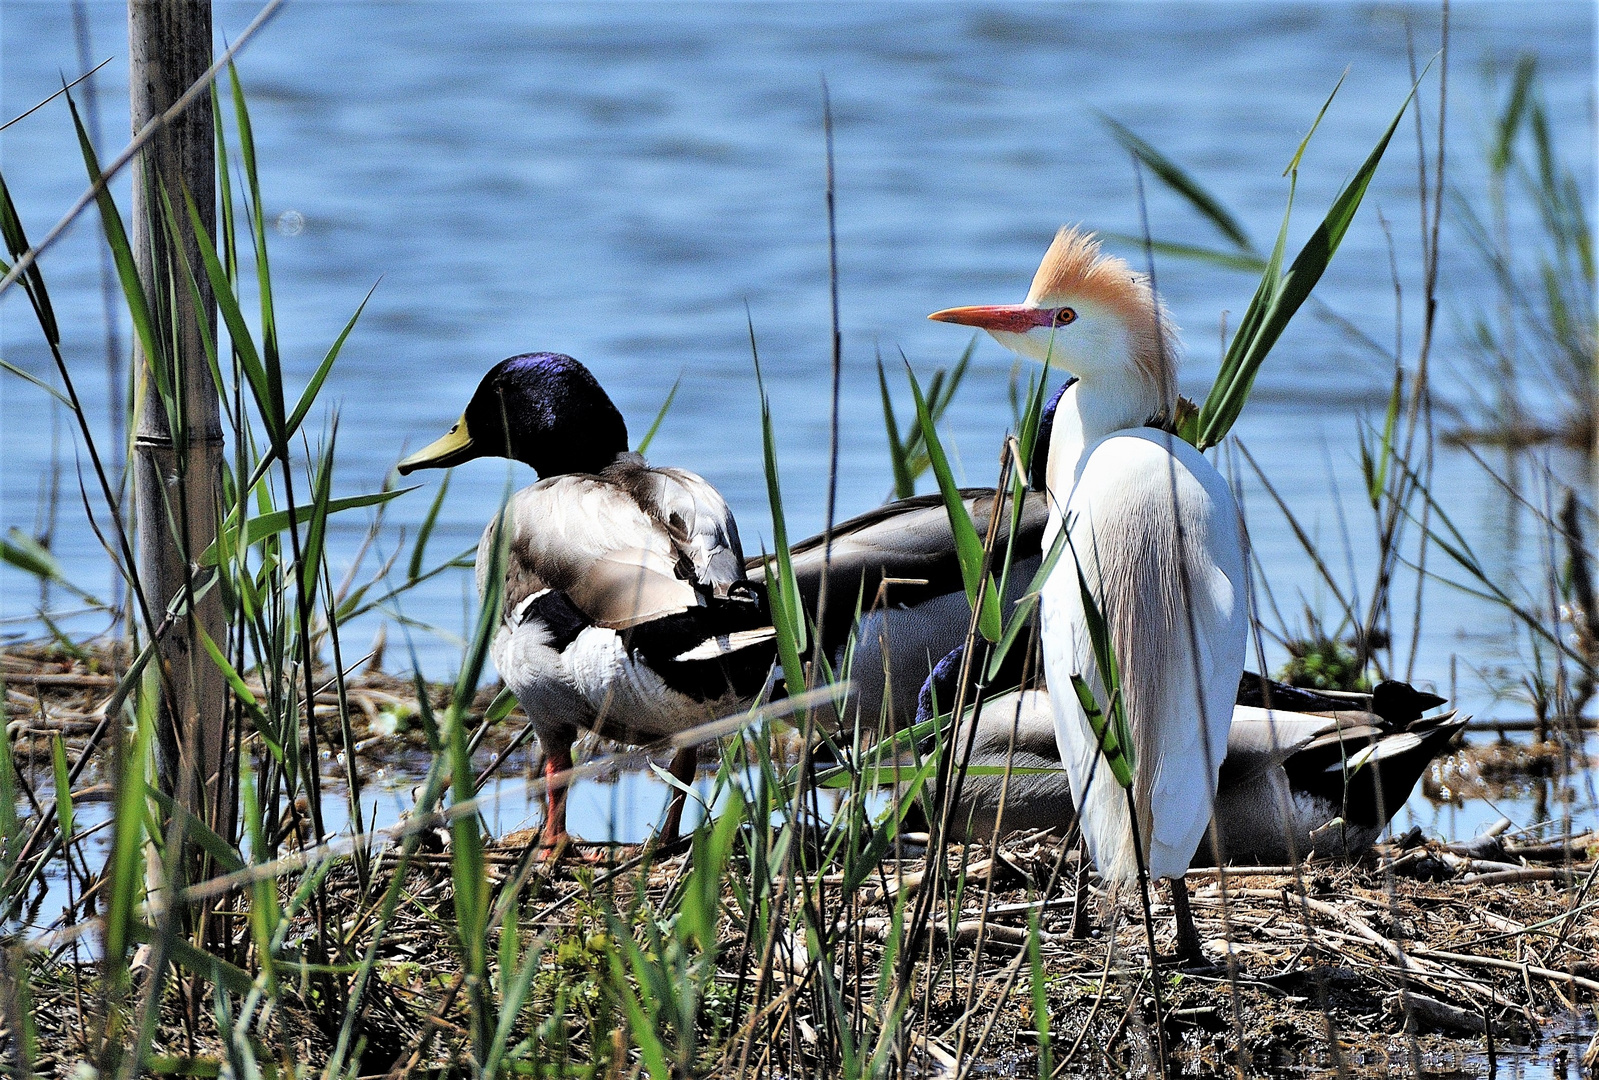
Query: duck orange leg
(557, 762)
(683, 768)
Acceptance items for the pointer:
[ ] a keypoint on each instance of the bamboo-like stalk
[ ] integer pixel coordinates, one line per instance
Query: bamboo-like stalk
(177, 444)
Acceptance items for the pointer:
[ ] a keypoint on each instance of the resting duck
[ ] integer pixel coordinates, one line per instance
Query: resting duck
(1315, 772)
(895, 568)
(626, 609)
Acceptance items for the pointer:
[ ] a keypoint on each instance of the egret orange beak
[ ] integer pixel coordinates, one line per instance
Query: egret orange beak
(1011, 318)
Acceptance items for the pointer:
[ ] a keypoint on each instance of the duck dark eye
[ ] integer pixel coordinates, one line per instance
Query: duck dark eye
(1065, 315)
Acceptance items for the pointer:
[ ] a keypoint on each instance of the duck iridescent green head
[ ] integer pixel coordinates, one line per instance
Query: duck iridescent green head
(542, 409)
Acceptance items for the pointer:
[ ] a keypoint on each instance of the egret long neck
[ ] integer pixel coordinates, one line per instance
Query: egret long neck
(1097, 404)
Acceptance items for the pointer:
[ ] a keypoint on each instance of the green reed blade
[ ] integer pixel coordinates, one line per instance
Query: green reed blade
(317, 523)
(1299, 154)
(126, 865)
(1110, 744)
(1502, 153)
(1040, 992)
(939, 399)
(63, 781)
(1227, 260)
(269, 327)
(467, 874)
(265, 914)
(968, 545)
(266, 525)
(314, 386)
(40, 383)
(1031, 419)
(236, 683)
(699, 916)
(1278, 298)
(660, 415)
(22, 551)
(912, 782)
(238, 330)
(641, 1024)
(16, 241)
(226, 226)
(1112, 730)
(904, 481)
(512, 999)
(116, 236)
(783, 595)
(198, 831)
(1026, 604)
(1180, 181)
(1377, 481)
(467, 865)
(420, 547)
(10, 831)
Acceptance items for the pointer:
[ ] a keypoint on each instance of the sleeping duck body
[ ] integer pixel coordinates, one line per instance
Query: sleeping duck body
(626, 611)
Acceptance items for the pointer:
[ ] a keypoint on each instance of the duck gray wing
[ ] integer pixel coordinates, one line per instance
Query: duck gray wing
(907, 539)
(694, 515)
(590, 541)
(1261, 740)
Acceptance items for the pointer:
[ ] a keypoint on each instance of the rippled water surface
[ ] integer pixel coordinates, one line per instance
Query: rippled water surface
(625, 182)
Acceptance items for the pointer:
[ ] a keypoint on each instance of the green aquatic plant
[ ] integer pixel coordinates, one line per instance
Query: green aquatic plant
(1323, 663)
(1537, 346)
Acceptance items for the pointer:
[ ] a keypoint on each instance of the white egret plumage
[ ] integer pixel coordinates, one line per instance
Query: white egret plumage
(1157, 538)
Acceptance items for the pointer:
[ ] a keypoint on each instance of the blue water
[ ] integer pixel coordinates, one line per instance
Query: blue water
(624, 182)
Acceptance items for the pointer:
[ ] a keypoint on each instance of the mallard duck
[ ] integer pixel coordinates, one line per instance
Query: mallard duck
(626, 609)
(894, 581)
(895, 567)
(1315, 772)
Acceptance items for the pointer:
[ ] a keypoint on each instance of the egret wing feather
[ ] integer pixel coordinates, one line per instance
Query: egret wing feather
(1156, 533)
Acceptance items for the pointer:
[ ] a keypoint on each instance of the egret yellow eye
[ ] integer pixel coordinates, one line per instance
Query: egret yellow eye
(1065, 315)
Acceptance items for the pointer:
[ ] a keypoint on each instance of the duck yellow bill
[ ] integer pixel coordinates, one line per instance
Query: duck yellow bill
(1015, 318)
(452, 449)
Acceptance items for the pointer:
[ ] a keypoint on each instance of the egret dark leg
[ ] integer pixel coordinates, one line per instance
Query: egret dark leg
(1188, 950)
(684, 767)
(557, 761)
(1079, 928)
